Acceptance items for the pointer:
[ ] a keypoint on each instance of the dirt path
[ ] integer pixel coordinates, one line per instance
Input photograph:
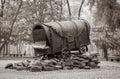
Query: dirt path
(108, 70)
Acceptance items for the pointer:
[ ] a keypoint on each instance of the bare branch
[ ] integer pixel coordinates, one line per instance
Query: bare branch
(80, 8)
(3, 1)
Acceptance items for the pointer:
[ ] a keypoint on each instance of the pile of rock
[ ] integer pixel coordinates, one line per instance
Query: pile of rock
(36, 65)
(83, 62)
(75, 61)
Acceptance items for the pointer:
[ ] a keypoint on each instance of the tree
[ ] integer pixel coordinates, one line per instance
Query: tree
(6, 40)
(108, 16)
(108, 12)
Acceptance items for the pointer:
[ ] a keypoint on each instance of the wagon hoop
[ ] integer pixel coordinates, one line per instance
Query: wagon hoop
(54, 30)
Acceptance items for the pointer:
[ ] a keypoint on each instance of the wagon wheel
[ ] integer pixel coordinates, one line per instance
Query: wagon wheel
(83, 49)
(66, 53)
(37, 53)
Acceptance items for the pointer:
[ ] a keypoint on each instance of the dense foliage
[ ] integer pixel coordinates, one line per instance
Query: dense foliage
(108, 12)
(107, 15)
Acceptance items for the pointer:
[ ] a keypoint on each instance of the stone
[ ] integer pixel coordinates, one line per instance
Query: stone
(87, 67)
(9, 66)
(48, 68)
(19, 68)
(92, 64)
(36, 69)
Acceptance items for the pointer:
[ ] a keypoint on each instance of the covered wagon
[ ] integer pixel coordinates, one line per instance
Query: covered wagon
(58, 37)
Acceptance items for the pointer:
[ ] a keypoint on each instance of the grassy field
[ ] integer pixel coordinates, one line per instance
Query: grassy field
(108, 70)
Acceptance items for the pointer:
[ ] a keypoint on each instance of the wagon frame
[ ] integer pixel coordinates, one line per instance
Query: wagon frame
(58, 36)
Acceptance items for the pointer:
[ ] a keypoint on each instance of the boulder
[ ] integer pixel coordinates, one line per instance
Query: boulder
(36, 68)
(93, 64)
(87, 67)
(19, 68)
(78, 58)
(9, 66)
(25, 63)
(49, 68)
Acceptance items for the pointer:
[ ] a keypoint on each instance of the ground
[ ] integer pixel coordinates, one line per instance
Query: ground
(108, 70)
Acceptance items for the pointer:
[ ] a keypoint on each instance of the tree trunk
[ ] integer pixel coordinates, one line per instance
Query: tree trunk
(69, 10)
(2, 7)
(52, 12)
(20, 47)
(105, 52)
(6, 49)
(61, 10)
